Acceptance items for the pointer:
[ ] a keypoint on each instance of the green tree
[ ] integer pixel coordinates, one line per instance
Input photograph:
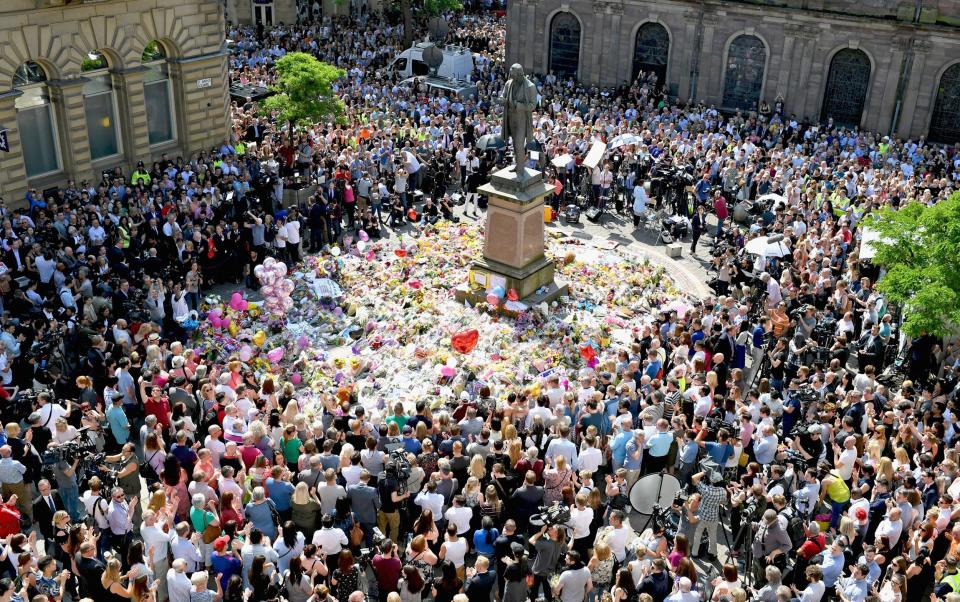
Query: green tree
(919, 248)
(304, 91)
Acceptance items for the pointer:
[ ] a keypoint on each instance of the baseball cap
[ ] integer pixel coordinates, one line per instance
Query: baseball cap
(220, 543)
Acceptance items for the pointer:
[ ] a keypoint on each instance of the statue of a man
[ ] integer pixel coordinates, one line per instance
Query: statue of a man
(519, 97)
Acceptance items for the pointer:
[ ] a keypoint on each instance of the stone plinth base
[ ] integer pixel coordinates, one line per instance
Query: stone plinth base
(513, 244)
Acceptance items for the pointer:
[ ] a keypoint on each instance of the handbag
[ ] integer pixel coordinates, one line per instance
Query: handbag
(356, 532)
(211, 532)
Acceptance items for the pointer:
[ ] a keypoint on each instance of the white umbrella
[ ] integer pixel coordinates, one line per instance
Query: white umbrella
(624, 140)
(768, 246)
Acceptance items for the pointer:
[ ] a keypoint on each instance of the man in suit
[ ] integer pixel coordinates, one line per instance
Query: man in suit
(526, 500)
(89, 572)
(45, 506)
(870, 346)
(365, 503)
(254, 132)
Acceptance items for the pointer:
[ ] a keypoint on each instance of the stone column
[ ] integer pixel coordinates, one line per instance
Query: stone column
(134, 134)
(591, 45)
(805, 90)
(712, 67)
(205, 108)
(67, 98)
(787, 65)
(915, 88)
(613, 44)
(13, 175)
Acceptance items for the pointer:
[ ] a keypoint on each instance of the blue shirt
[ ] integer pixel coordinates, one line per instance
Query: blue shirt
(119, 425)
(618, 448)
(832, 567)
(653, 368)
(480, 541)
(659, 444)
(280, 492)
(718, 452)
(630, 463)
(225, 566)
(688, 455)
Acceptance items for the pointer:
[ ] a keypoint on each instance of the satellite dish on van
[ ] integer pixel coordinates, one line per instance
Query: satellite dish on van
(433, 57)
(438, 29)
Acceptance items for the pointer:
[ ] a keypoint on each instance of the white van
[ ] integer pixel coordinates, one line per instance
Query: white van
(457, 62)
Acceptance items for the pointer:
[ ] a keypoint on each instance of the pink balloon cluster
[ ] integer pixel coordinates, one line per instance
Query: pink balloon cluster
(238, 303)
(276, 287)
(217, 320)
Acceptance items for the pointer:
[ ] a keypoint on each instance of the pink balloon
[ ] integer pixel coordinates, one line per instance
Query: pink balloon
(448, 371)
(269, 261)
(295, 378)
(246, 353)
(303, 341)
(215, 321)
(216, 312)
(225, 323)
(493, 300)
(244, 305)
(275, 355)
(362, 235)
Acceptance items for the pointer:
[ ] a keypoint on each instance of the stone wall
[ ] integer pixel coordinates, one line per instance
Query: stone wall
(801, 37)
(59, 37)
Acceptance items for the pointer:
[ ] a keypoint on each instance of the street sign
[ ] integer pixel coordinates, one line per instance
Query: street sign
(204, 83)
(4, 142)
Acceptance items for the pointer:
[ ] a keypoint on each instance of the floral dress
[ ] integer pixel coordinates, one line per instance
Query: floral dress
(553, 484)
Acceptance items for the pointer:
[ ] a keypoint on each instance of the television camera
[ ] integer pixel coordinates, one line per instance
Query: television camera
(397, 467)
(555, 515)
(20, 406)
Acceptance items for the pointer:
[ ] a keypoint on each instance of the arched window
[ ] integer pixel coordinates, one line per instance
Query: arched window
(846, 89)
(157, 94)
(743, 82)
(565, 45)
(36, 121)
(650, 51)
(100, 107)
(945, 124)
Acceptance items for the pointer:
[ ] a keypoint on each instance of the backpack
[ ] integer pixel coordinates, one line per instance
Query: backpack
(796, 531)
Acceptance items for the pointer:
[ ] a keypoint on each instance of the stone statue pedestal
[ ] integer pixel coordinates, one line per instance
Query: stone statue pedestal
(513, 243)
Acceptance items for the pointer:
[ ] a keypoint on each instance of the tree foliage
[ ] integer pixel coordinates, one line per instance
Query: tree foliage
(919, 248)
(304, 91)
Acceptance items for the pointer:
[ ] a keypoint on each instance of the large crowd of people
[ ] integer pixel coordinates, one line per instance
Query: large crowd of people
(813, 444)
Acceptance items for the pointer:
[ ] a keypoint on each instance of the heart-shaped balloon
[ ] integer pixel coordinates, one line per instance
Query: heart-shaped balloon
(465, 340)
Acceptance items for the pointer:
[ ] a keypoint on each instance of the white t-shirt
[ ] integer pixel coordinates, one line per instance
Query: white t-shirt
(154, 536)
(845, 462)
(49, 415)
(460, 517)
(293, 232)
(580, 521)
(330, 541)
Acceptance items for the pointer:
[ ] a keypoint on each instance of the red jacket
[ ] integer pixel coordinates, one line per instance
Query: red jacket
(812, 546)
(720, 207)
(9, 520)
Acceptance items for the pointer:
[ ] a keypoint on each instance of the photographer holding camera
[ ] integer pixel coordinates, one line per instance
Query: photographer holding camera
(387, 567)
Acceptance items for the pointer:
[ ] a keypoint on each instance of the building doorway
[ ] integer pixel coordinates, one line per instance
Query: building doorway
(651, 50)
(263, 12)
(945, 124)
(743, 79)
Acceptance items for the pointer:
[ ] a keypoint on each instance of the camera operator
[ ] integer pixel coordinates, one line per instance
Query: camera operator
(388, 487)
(128, 475)
(810, 444)
(770, 546)
(545, 562)
(799, 345)
(387, 566)
(712, 495)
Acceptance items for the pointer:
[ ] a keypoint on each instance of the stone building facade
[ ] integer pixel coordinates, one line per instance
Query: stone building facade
(883, 65)
(88, 85)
